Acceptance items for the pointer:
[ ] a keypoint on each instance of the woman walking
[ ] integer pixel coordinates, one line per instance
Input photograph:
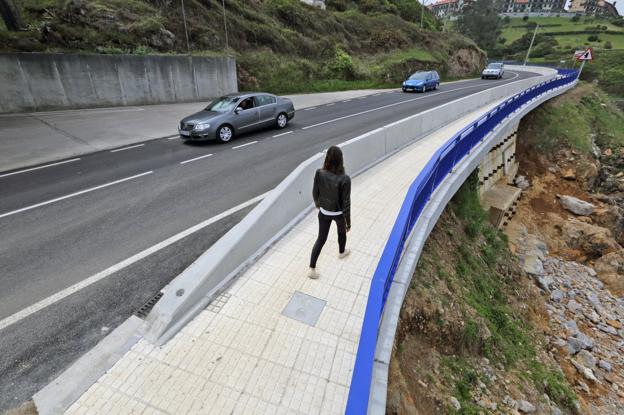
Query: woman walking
(332, 196)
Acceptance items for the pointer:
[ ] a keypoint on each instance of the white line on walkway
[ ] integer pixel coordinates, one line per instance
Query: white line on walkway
(39, 167)
(196, 158)
(279, 135)
(244, 145)
(74, 194)
(395, 104)
(14, 318)
(126, 148)
(309, 108)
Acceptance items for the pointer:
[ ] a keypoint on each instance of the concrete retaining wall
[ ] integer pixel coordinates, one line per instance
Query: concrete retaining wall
(41, 81)
(192, 290)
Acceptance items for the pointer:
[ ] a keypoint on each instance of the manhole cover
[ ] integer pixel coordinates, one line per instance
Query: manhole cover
(304, 308)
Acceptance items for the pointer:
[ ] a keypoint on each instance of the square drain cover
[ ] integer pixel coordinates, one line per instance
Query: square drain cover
(305, 308)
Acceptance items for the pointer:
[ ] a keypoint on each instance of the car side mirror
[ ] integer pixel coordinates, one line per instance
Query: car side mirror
(238, 110)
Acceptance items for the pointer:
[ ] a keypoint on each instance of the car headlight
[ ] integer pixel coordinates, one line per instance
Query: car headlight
(202, 126)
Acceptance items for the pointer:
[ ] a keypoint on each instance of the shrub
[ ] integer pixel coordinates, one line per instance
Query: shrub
(575, 18)
(338, 5)
(506, 19)
(525, 18)
(592, 38)
(502, 40)
(342, 66)
(608, 45)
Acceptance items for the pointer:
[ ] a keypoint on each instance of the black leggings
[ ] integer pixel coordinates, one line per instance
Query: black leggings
(324, 224)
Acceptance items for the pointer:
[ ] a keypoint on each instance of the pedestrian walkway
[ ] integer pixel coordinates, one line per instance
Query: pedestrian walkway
(242, 355)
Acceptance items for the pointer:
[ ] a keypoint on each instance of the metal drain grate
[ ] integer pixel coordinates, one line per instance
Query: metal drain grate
(147, 307)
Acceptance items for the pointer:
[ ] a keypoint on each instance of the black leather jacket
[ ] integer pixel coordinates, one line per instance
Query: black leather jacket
(333, 192)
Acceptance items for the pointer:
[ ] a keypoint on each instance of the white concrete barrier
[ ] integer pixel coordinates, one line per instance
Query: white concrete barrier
(285, 205)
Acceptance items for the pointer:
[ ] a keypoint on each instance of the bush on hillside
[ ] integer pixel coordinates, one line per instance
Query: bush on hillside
(525, 18)
(592, 38)
(608, 45)
(338, 5)
(506, 19)
(575, 18)
(342, 66)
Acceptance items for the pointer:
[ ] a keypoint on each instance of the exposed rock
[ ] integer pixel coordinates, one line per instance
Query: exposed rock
(586, 358)
(592, 240)
(604, 365)
(557, 295)
(526, 407)
(576, 206)
(522, 182)
(568, 174)
(455, 403)
(163, 39)
(612, 218)
(610, 269)
(533, 265)
(608, 152)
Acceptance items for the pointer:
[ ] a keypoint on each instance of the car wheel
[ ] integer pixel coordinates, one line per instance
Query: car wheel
(225, 133)
(435, 87)
(404, 90)
(282, 120)
(483, 77)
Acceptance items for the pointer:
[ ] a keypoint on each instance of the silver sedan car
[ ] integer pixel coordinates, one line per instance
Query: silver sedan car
(236, 114)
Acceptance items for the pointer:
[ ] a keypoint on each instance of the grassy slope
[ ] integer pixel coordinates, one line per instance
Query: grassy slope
(469, 300)
(282, 45)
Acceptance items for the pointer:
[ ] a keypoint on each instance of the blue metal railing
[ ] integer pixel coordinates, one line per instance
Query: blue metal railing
(441, 163)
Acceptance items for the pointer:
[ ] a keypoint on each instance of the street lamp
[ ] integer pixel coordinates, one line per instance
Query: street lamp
(531, 45)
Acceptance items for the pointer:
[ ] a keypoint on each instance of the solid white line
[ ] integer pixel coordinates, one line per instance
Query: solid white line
(196, 158)
(126, 148)
(173, 138)
(329, 105)
(74, 194)
(376, 95)
(395, 104)
(309, 108)
(244, 145)
(279, 135)
(39, 167)
(347, 100)
(14, 318)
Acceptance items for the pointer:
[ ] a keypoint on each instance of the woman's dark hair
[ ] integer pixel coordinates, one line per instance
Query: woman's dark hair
(333, 161)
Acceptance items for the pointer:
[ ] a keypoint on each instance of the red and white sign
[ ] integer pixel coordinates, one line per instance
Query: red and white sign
(584, 55)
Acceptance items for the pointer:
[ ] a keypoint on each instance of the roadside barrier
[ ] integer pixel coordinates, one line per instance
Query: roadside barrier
(435, 171)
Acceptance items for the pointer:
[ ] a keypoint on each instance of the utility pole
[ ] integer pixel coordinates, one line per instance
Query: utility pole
(225, 25)
(422, 13)
(188, 47)
(531, 45)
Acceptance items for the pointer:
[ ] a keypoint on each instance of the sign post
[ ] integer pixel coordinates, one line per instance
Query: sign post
(583, 56)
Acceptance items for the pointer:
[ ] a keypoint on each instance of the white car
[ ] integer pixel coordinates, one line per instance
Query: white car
(493, 70)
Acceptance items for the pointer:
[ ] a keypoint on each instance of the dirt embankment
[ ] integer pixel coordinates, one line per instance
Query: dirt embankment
(531, 321)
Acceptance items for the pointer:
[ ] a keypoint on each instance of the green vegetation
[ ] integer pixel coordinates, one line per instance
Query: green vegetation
(487, 289)
(574, 119)
(281, 45)
(480, 22)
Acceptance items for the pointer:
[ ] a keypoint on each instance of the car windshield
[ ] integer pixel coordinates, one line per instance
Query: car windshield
(223, 104)
(419, 76)
(494, 66)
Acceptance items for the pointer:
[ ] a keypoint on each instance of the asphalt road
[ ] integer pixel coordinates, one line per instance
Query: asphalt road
(62, 224)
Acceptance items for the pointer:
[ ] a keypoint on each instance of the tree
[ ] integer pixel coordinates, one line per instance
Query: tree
(10, 15)
(481, 23)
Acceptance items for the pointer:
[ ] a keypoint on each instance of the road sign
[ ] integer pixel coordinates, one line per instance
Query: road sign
(584, 55)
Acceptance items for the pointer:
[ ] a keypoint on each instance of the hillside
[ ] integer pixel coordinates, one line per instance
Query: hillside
(281, 45)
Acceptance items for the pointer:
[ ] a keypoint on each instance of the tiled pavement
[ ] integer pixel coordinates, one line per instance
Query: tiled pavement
(241, 355)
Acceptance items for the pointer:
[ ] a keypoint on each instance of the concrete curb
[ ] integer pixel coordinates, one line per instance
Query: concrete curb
(57, 396)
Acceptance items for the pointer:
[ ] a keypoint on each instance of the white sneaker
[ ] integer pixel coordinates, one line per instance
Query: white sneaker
(313, 274)
(344, 254)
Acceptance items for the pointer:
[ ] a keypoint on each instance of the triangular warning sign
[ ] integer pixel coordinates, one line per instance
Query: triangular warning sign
(586, 56)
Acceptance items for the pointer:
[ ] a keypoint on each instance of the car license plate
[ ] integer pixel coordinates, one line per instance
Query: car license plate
(185, 133)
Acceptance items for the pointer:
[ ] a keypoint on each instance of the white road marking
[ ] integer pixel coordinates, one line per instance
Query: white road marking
(309, 108)
(346, 100)
(196, 158)
(39, 167)
(279, 135)
(74, 194)
(244, 145)
(395, 104)
(329, 105)
(173, 137)
(22, 314)
(376, 95)
(361, 97)
(126, 148)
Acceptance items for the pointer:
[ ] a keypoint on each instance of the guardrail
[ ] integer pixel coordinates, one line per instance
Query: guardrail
(439, 166)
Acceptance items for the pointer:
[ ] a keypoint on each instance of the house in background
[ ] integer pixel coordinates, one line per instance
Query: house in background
(594, 7)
